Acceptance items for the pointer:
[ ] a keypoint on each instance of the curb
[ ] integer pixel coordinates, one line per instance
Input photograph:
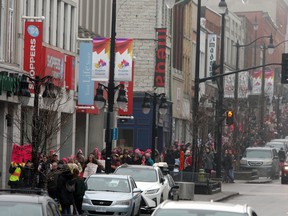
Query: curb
(224, 197)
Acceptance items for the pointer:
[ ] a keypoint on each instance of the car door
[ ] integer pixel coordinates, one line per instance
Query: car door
(275, 160)
(164, 186)
(136, 196)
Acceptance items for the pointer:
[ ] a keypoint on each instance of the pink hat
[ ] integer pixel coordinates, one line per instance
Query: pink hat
(65, 160)
(148, 150)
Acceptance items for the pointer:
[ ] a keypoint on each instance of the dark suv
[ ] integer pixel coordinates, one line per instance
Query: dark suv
(263, 159)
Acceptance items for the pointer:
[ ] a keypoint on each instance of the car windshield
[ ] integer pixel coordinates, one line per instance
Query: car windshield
(195, 212)
(140, 175)
(108, 184)
(275, 145)
(258, 153)
(19, 208)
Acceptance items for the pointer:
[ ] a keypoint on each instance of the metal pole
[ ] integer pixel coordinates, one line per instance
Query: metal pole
(196, 93)
(154, 127)
(220, 101)
(111, 87)
(262, 89)
(236, 102)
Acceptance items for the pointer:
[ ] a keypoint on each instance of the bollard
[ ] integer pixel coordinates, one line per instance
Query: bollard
(201, 175)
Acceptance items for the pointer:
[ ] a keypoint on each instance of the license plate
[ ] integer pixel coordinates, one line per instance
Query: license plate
(100, 209)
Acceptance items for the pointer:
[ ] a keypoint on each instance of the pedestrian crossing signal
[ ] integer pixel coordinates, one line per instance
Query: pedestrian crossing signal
(229, 117)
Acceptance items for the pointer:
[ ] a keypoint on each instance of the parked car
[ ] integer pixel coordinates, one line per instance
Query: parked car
(284, 172)
(173, 191)
(111, 195)
(278, 144)
(188, 208)
(150, 180)
(263, 159)
(27, 202)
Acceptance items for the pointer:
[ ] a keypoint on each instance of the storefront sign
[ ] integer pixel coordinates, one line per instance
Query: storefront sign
(211, 52)
(159, 79)
(32, 49)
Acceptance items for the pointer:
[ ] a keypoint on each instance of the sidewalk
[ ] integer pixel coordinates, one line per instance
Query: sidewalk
(228, 193)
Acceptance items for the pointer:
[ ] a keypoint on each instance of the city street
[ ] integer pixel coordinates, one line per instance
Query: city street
(265, 198)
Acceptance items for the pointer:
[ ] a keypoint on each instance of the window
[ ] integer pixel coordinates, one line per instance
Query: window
(10, 32)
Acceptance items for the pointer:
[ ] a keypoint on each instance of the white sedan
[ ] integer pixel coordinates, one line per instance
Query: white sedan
(155, 189)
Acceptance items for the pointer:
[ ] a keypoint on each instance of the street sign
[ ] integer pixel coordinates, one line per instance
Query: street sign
(114, 133)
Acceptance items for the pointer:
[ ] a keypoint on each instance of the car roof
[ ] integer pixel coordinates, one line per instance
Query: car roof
(109, 176)
(138, 166)
(259, 148)
(229, 207)
(24, 198)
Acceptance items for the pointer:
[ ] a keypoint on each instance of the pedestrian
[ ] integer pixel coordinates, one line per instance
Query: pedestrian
(149, 160)
(126, 158)
(115, 162)
(64, 192)
(15, 170)
(43, 168)
(208, 160)
(79, 191)
(27, 175)
(52, 178)
(170, 159)
(227, 164)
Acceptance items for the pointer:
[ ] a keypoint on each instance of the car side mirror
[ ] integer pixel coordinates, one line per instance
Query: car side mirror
(137, 190)
(162, 180)
(175, 187)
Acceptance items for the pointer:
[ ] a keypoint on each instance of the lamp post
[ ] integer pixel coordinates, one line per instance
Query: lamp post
(36, 135)
(223, 8)
(100, 101)
(270, 51)
(236, 102)
(161, 101)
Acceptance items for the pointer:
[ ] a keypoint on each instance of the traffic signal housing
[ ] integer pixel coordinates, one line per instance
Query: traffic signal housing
(229, 117)
(284, 70)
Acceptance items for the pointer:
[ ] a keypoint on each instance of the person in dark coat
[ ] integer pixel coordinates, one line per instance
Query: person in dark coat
(227, 164)
(27, 174)
(79, 191)
(169, 158)
(65, 197)
(52, 179)
(126, 158)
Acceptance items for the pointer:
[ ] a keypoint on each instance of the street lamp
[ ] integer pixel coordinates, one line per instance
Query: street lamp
(36, 135)
(161, 101)
(223, 9)
(270, 49)
(236, 102)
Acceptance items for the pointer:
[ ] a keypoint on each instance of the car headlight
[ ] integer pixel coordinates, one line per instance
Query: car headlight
(285, 167)
(122, 202)
(87, 201)
(154, 191)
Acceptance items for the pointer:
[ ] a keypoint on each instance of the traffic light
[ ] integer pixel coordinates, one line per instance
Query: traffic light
(229, 117)
(284, 71)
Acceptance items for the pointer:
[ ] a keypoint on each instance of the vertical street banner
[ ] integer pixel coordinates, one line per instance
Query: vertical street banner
(129, 93)
(85, 83)
(211, 52)
(257, 82)
(123, 59)
(159, 77)
(101, 59)
(33, 35)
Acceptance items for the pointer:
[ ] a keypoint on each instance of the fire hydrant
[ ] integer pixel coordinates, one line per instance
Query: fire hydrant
(201, 175)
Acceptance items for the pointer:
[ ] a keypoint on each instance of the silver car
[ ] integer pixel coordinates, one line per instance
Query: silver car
(197, 208)
(27, 202)
(111, 195)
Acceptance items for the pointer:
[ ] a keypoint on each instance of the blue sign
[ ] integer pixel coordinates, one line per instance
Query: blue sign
(33, 31)
(85, 83)
(114, 133)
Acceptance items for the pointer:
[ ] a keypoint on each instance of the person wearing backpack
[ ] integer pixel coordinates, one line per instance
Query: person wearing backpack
(65, 189)
(79, 191)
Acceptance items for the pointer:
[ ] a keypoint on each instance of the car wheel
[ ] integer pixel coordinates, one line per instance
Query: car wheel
(283, 181)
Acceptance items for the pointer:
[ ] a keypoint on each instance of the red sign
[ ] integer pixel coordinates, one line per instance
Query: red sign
(70, 72)
(129, 93)
(159, 80)
(21, 153)
(53, 64)
(32, 49)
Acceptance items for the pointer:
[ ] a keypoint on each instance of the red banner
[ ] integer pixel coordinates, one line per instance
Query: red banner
(21, 153)
(32, 49)
(70, 72)
(159, 79)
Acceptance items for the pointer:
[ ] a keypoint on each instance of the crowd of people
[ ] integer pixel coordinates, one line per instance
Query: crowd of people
(64, 178)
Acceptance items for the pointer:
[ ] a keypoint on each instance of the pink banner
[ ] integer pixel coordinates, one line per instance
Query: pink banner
(21, 153)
